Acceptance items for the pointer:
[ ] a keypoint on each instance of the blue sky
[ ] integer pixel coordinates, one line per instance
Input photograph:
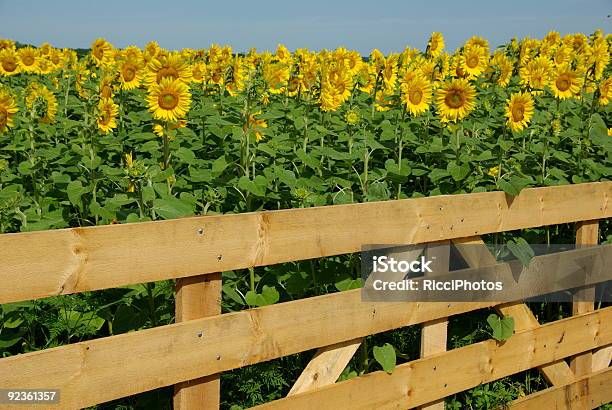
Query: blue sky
(315, 24)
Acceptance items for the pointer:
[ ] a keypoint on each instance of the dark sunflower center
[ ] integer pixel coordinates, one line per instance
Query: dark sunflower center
(3, 116)
(518, 112)
(563, 83)
(167, 72)
(28, 59)
(98, 52)
(129, 73)
(168, 100)
(9, 65)
(293, 84)
(415, 96)
(454, 99)
(472, 61)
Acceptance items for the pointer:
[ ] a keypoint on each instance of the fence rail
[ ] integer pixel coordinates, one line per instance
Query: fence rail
(192, 352)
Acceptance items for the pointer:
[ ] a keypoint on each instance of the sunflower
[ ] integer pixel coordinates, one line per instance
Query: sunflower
(330, 99)
(170, 100)
(519, 111)
(8, 109)
(107, 115)
(435, 45)
(536, 73)
(478, 41)
(106, 87)
(256, 125)
(130, 73)
(474, 60)
(455, 99)
(171, 66)
(101, 52)
(605, 91)
(9, 62)
(28, 59)
(565, 82)
(41, 102)
(198, 72)
(6, 43)
(598, 57)
(416, 94)
(505, 72)
(276, 76)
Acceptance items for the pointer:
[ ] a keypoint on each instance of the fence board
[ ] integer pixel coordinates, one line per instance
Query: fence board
(588, 392)
(326, 366)
(81, 259)
(426, 380)
(587, 233)
(197, 297)
(87, 372)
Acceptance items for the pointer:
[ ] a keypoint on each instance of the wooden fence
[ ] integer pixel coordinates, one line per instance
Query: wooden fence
(191, 353)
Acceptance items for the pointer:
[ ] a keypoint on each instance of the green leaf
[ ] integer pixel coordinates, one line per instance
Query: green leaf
(385, 356)
(521, 249)
(348, 284)
(502, 328)
(268, 296)
(458, 172)
(170, 208)
(75, 191)
(219, 165)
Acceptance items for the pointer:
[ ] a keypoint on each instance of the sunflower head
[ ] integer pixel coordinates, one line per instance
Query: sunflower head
(130, 72)
(41, 102)
(107, 115)
(172, 66)
(565, 82)
(101, 52)
(474, 60)
(352, 117)
(8, 109)
(416, 94)
(29, 60)
(605, 91)
(455, 99)
(169, 101)
(435, 45)
(519, 110)
(9, 62)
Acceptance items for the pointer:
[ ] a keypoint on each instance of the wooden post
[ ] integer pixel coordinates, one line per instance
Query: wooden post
(587, 233)
(197, 297)
(434, 333)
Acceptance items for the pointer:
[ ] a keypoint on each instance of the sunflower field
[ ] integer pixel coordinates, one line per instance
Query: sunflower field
(109, 135)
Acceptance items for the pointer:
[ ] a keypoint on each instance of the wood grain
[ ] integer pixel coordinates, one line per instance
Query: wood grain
(425, 380)
(83, 259)
(104, 369)
(198, 297)
(587, 233)
(587, 392)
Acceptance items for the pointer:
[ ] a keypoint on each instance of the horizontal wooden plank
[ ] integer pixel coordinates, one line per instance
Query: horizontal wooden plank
(429, 379)
(117, 366)
(39, 264)
(588, 392)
